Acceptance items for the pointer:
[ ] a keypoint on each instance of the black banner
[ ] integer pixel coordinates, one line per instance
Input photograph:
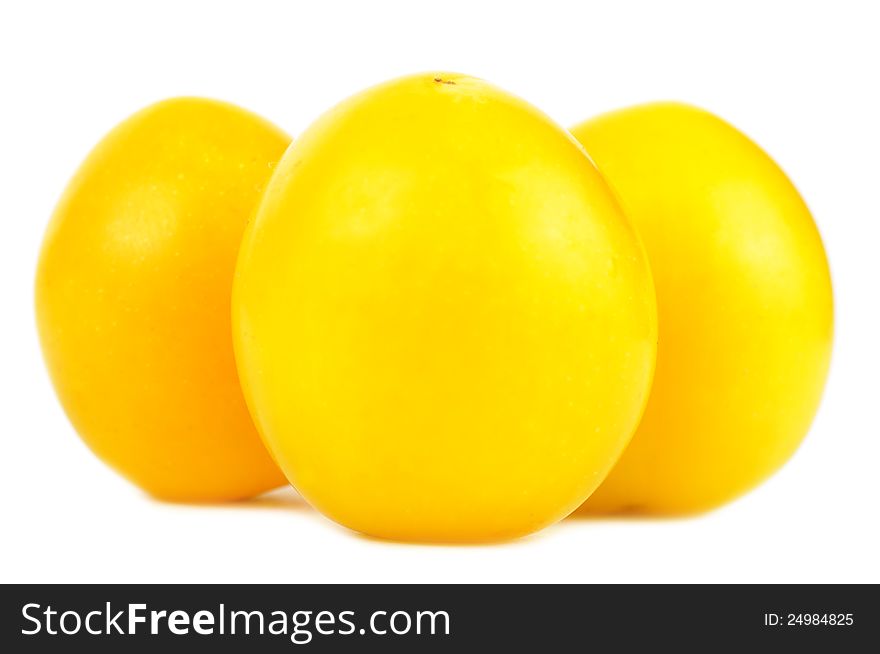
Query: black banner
(420, 618)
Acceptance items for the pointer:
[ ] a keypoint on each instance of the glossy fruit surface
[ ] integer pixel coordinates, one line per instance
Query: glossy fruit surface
(133, 292)
(744, 307)
(444, 327)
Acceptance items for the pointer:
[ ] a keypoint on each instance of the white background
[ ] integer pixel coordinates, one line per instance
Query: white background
(801, 79)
